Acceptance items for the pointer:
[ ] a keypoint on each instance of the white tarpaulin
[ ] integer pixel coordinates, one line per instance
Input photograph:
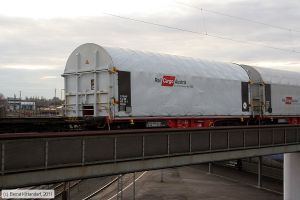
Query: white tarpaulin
(161, 85)
(285, 90)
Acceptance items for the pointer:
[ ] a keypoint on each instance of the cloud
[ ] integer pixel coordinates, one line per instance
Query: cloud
(28, 67)
(48, 77)
(33, 47)
(29, 82)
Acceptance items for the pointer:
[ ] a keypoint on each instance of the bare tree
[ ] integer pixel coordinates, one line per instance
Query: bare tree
(3, 105)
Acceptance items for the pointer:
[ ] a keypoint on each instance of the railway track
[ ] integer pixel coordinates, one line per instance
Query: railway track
(98, 191)
(113, 192)
(61, 187)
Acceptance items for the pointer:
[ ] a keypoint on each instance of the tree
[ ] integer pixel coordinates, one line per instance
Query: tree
(2, 97)
(3, 105)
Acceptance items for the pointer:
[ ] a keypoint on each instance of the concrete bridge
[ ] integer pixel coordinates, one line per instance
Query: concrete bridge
(43, 158)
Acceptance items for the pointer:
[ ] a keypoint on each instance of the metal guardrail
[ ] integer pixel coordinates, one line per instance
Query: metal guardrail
(29, 152)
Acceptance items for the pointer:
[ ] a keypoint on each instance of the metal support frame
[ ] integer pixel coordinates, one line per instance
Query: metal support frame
(46, 154)
(115, 148)
(259, 172)
(168, 144)
(2, 158)
(210, 167)
(77, 84)
(190, 142)
(143, 146)
(244, 139)
(69, 192)
(65, 95)
(228, 140)
(96, 83)
(162, 175)
(83, 152)
(209, 140)
(133, 185)
(66, 191)
(258, 138)
(120, 187)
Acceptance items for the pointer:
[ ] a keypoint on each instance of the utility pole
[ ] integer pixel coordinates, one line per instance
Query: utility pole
(210, 167)
(133, 185)
(259, 172)
(61, 94)
(20, 104)
(162, 175)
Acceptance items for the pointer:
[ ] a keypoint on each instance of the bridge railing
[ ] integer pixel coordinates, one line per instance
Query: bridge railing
(31, 152)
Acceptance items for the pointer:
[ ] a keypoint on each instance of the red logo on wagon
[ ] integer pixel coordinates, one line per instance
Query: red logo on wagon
(288, 100)
(168, 81)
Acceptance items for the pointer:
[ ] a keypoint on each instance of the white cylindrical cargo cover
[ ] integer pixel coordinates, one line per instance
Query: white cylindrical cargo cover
(285, 90)
(280, 77)
(291, 176)
(160, 84)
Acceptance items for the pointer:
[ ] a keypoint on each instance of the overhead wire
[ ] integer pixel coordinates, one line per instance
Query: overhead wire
(239, 18)
(203, 22)
(199, 33)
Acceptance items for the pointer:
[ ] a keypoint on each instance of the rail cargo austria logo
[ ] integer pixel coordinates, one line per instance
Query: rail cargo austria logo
(290, 100)
(168, 81)
(172, 81)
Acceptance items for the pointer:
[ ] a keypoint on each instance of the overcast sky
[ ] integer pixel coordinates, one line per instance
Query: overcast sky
(36, 37)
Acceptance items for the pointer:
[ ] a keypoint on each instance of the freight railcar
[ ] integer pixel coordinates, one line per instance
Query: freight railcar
(121, 87)
(280, 95)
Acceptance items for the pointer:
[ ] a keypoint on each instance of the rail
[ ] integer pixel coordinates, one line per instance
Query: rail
(90, 196)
